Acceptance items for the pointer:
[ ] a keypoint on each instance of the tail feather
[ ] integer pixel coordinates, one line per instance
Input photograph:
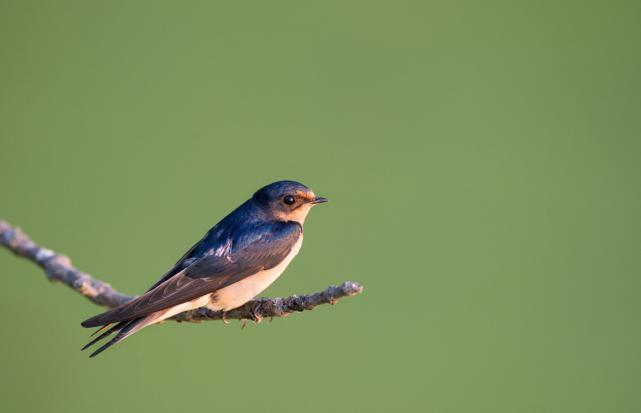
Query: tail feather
(100, 329)
(128, 329)
(104, 335)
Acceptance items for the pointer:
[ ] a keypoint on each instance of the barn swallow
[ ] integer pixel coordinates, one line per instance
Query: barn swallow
(236, 260)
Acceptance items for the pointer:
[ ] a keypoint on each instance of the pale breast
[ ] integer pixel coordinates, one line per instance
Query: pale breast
(246, 289)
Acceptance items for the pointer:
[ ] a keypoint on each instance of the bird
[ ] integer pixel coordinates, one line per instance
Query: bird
(235, 261)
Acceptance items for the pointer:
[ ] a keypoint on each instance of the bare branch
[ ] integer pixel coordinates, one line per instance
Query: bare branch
(58, 267)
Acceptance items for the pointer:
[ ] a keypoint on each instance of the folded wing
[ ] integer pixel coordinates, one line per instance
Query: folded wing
(251, 249)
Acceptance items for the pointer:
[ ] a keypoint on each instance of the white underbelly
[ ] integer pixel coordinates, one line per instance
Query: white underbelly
(246, 289)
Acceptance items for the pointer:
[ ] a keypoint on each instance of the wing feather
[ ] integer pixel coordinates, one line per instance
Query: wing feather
(256, 248)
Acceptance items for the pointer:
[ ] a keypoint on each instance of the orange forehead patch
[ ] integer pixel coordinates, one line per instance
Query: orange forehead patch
(308, 195)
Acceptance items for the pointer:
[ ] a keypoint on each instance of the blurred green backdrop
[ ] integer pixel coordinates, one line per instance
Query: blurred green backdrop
(483, 163)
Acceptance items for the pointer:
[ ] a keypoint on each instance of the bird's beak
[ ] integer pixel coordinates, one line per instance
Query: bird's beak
(319, 200)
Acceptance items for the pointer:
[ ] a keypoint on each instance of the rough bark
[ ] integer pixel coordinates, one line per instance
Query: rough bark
(58, 267)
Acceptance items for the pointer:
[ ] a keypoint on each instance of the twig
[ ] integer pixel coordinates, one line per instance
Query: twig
(58, 267)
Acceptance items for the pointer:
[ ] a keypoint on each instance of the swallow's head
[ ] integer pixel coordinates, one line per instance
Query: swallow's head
(287, 200)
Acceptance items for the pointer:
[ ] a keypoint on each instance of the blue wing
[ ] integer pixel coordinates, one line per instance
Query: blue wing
(244, 252)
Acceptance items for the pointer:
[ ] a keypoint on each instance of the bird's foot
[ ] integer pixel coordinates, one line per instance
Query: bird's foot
(255, 313)
(223, 316)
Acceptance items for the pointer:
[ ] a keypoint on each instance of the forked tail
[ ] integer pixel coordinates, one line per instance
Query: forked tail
(122, 329)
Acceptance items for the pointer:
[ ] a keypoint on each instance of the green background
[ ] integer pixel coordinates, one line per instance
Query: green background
(482, 160)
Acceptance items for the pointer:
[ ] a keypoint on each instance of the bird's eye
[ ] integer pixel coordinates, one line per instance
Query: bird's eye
(289, 200)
